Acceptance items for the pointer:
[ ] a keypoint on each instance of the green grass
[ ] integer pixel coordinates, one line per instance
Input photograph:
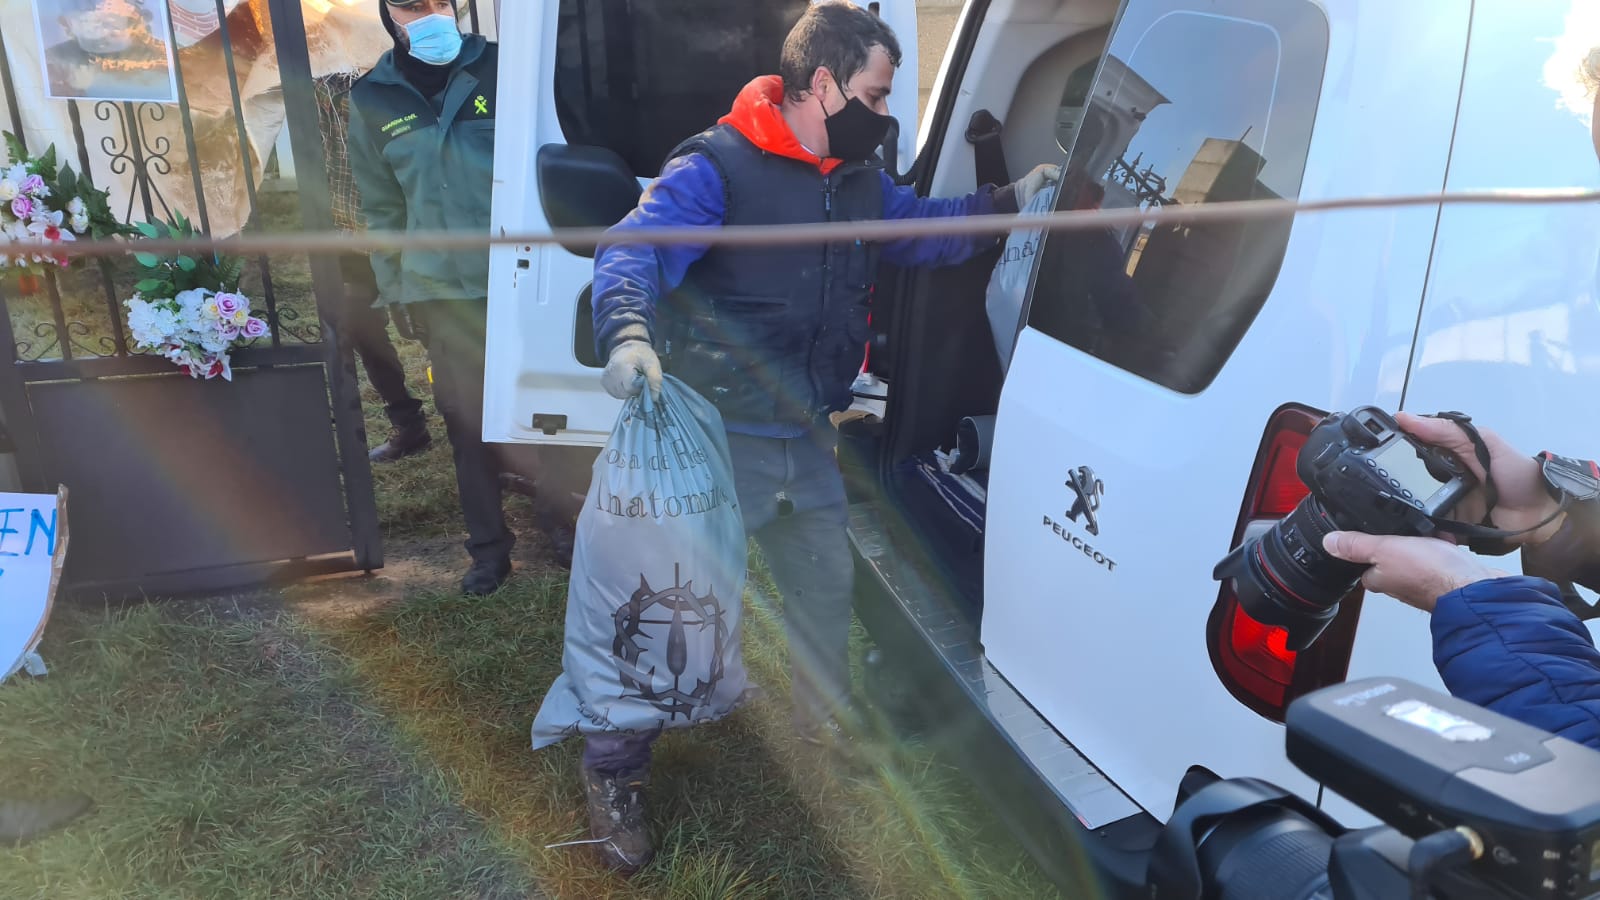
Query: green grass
(229, 756)
(369, 738)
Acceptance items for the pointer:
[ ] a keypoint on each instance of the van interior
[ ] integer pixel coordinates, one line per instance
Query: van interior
(1025, 73)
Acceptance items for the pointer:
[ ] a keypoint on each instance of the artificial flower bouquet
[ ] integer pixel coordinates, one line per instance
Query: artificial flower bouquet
(42, 206)
(189, 309)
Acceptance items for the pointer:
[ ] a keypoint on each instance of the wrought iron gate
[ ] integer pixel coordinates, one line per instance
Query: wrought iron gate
(179, 485)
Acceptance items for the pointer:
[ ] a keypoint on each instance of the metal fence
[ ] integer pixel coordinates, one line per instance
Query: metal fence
(181, 485)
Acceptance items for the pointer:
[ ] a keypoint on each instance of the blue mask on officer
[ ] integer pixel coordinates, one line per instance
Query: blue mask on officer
(435, 40)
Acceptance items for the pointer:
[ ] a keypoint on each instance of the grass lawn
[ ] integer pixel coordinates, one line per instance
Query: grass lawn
(368, 737)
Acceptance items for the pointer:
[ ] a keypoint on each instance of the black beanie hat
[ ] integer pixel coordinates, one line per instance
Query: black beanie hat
(388, 20)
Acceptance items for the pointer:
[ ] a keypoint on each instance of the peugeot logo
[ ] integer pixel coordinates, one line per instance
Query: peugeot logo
(1088, 490)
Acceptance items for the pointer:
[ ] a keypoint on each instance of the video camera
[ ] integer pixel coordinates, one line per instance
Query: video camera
(1365, 474)
(1476, 805)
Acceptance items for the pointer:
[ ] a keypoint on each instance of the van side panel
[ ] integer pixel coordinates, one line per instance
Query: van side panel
(1105, 632)
(1510, 329)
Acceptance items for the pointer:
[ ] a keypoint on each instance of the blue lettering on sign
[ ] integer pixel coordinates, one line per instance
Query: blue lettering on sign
(36, 526)
(5, 529)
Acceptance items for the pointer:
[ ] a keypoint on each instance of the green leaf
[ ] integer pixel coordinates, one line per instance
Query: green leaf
(14, 148)
(149, 230)
(149, 284)
(186, 263)
(148, 260)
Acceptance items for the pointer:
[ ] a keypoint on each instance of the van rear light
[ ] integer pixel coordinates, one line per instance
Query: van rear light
(1252, 659)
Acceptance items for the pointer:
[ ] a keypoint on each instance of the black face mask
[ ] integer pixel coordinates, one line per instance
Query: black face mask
(855, 132)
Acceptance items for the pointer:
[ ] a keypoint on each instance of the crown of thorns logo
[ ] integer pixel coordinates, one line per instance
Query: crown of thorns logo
(682, 611)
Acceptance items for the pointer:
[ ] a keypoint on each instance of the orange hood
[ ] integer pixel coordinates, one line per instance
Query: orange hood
(758, 115)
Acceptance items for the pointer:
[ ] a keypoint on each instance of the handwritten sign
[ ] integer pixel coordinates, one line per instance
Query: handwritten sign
(33, 548)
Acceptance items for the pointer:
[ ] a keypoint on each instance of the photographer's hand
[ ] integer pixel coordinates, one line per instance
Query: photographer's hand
(1416, 571)
(1523, 501)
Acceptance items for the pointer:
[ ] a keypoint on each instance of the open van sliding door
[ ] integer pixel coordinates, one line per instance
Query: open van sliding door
(606, 90)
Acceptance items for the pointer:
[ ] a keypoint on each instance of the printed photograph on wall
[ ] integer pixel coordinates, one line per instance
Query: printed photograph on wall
(106, 50)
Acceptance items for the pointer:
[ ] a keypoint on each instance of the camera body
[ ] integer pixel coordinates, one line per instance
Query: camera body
(1364, 474)
(1373, 477)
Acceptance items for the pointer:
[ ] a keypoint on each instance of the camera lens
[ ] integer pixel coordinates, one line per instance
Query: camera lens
(1266, 853)
(1285, 578)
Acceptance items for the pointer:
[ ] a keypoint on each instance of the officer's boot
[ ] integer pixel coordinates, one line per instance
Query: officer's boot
(408, 437)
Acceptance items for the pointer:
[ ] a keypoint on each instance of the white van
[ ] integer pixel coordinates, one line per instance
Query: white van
(1064, 596)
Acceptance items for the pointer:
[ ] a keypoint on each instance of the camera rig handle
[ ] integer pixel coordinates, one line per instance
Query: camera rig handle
(1377, 864)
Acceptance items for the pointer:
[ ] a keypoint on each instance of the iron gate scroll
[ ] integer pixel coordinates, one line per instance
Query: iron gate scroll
(182, 485)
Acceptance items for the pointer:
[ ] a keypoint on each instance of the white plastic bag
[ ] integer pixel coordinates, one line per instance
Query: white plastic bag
(1008, 283)
(658, 572)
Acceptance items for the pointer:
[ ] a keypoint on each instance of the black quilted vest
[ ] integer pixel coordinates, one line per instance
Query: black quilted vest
(776, 334)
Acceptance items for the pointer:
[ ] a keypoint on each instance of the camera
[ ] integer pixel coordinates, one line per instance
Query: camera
(1364, 474)
(1474, 804)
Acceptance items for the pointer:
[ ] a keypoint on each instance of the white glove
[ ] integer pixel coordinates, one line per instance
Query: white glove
(628, 361)
(1029, 185)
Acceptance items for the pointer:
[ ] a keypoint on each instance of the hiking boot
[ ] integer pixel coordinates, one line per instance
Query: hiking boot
(616, 818)
(403, 442)
(22, 820)
(485, 577)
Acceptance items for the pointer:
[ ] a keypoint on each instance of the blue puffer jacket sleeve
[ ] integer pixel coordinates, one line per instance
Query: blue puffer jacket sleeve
(1509, 644)
(901, 202)
(630, 279)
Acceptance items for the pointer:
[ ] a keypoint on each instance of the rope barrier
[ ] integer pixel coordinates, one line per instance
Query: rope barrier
(778, 235)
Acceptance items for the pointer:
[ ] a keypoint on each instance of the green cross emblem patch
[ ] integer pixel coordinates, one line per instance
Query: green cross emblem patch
(481, 104)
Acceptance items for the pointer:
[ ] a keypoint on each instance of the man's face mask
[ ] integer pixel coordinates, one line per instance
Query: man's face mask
(435, 40)
(854, 132)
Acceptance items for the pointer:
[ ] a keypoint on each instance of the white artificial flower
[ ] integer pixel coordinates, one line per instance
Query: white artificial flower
(17, 173)
(76, 207)
(8, 190)
(80, 223)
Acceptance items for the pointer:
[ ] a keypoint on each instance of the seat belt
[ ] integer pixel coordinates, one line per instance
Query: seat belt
(988, 157)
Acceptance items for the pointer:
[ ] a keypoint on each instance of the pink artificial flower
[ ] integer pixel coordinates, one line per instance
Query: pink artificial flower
(254, 328)
(33, 184)
(228, 331)
(227, 305)
(22, 207)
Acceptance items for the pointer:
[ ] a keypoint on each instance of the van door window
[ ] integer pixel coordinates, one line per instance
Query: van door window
(1189, 106)
(639, 76)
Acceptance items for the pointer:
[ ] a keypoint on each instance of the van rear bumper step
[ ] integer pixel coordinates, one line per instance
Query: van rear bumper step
(1055, 801)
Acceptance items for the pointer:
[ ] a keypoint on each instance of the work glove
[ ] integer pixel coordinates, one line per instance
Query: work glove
(628, 361)
(1029, 185)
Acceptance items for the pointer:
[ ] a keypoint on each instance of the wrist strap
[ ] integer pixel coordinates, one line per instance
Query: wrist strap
(1567, 480)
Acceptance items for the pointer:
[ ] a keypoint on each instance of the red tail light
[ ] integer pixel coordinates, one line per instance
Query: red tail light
(1252, 659)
